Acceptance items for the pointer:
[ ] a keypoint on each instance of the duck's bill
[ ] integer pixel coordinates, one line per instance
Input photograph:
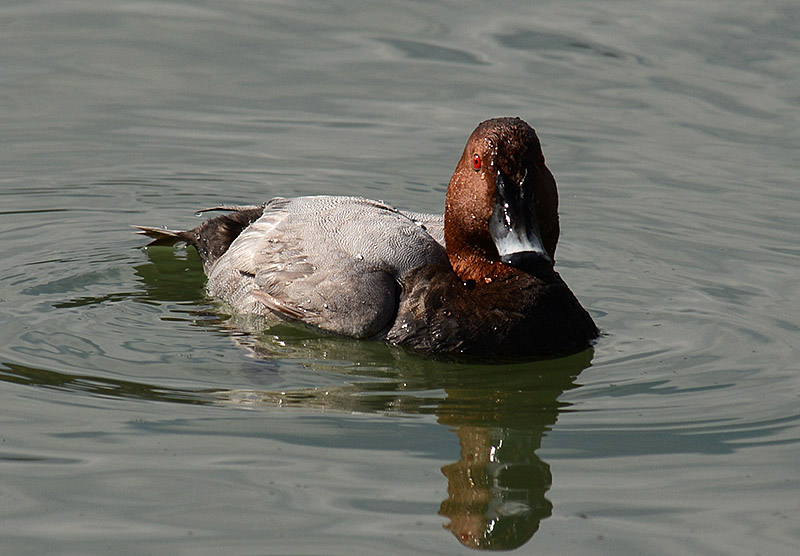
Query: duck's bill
(513, 225)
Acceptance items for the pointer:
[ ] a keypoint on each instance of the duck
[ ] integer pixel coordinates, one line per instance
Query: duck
(478, 280)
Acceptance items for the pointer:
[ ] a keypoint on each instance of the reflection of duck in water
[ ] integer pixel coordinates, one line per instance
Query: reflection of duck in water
(496, 491)
(478, 280)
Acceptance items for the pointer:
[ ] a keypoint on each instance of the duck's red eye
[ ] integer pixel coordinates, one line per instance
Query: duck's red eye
(476, 161)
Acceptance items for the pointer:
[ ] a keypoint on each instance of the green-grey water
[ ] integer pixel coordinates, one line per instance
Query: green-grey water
(140, 418)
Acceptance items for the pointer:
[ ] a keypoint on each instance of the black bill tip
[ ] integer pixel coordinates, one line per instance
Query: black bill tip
(527, 260)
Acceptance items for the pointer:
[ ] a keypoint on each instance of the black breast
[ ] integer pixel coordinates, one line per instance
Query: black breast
(521, 315)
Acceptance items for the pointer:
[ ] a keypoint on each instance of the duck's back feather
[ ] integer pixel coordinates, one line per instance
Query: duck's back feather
(332, 262)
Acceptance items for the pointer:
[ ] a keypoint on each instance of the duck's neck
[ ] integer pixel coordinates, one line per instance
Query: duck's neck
(476, 266)
(470, 248)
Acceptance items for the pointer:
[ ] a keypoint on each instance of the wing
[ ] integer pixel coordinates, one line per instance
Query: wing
(333, 262)
(431, 223)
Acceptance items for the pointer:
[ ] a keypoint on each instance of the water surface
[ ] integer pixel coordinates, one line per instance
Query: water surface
(139, 418)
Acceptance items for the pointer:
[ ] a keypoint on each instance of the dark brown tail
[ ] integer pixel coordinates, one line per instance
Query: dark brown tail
(211, 238)
(162, 236)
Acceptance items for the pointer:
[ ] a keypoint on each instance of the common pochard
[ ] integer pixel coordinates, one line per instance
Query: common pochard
(361, 268)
